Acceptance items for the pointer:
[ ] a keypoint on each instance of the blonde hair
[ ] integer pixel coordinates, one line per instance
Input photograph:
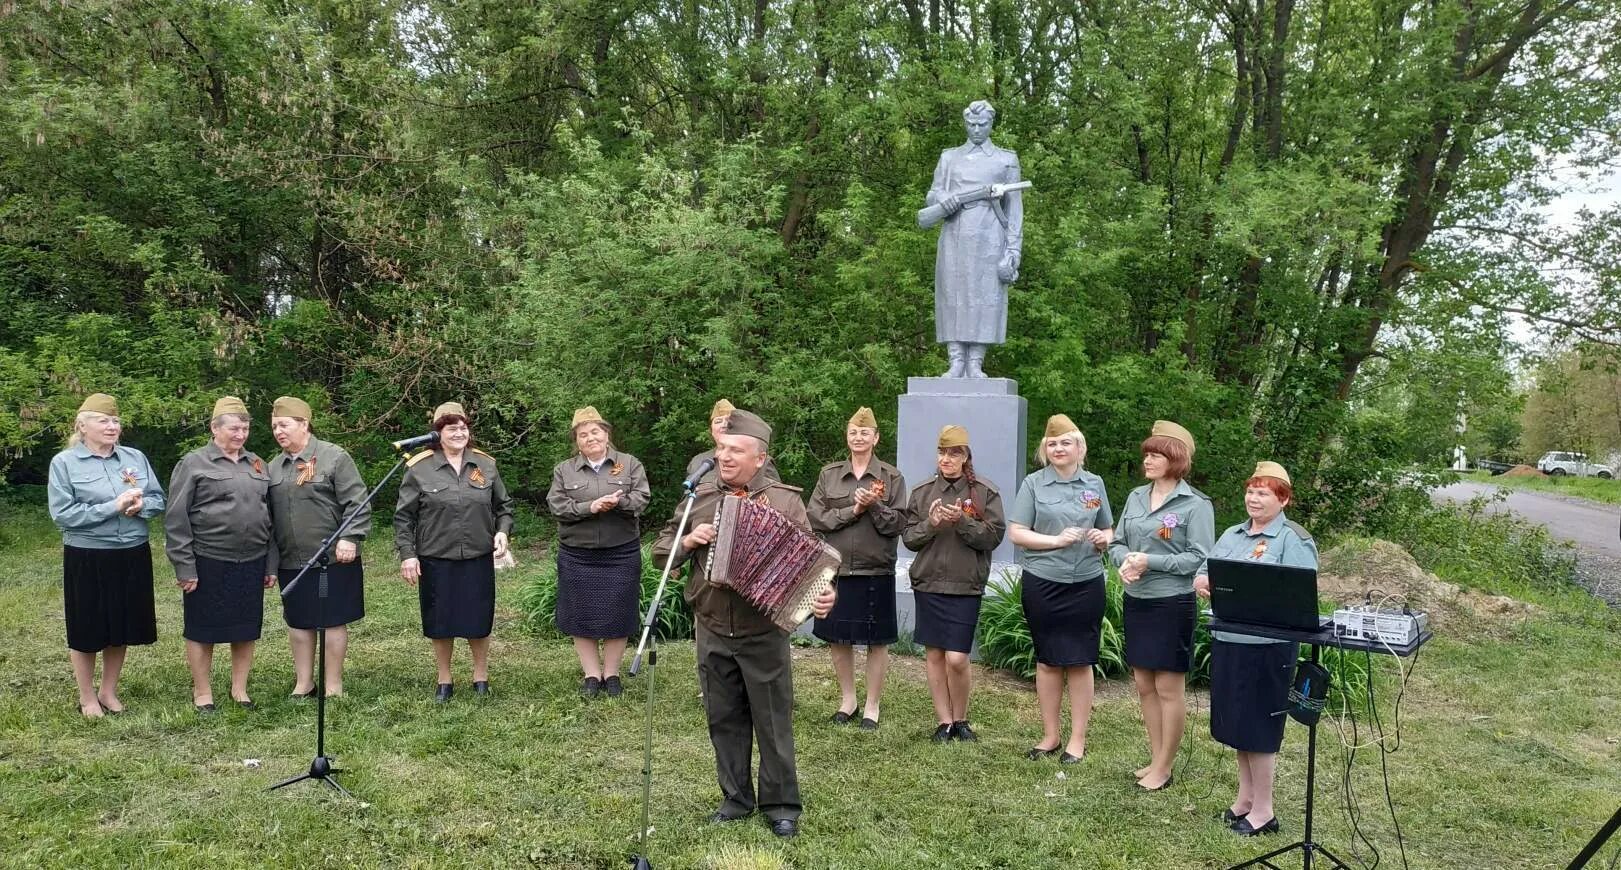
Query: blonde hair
(76, 437)
(1041, 447)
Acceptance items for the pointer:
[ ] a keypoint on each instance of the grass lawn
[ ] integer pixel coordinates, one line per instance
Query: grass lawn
(1510, 756)
(1591, 488)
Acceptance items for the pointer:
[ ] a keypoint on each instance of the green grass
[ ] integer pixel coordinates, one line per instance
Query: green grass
(1509, 758)
(1591, 488)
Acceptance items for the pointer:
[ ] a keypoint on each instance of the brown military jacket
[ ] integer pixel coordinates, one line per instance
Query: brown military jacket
(218, 509)
(865, 541)
(575, 486)
(770, 469)
(720, 609)
(953, 559)
(310, 494)
(445, 515)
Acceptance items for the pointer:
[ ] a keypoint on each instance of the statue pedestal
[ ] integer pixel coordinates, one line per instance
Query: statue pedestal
(994, 414)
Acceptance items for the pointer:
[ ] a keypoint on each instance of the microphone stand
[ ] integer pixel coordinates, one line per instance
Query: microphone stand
(641, 862)
(321, 769)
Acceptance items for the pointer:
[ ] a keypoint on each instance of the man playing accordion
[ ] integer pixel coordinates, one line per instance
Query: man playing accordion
(744, 666)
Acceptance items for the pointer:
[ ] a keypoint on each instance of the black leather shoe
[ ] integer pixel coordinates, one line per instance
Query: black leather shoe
(1066, 758)
(869, 724)
(842, 718)
(721, 817)
(247, 705)
(942, 733)
(590, 687)
(1243, 828)
(1230, 818)
(444, 692)
(481, 687)
(1161, 787)
(785, 828)
(612, 687)
(961, 731)
(300, 696)
(205, 709)
(1036, 753)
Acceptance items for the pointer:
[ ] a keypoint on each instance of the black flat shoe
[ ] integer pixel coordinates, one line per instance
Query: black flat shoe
(1036, 753)
(300, 696)
(205, 708)
(1243, 828)
(961, 731)
(721, 817)
(590, 687)
(869, 724)
(942, 733)
(247, 705)
(785, 828)
(1230, 818)
(612, 687)
(842, 718)
(443, 693)
(481, 687)
(1066, 758)
(1161, 787)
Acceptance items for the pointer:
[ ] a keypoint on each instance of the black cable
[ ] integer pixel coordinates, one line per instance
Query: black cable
(1352, 810)
(1384, 754)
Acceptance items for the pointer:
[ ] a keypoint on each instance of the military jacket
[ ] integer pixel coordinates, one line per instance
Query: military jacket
(1175, 537)
(310, 494)
(219, 508)
(866, 540)
(443, 513)
(575, 485)
(953, 559)
(1280, 542)
(84, 488)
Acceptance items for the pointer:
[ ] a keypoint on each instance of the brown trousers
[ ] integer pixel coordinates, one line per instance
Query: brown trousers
(748, 691)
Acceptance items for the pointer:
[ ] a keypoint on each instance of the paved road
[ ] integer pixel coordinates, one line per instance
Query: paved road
(1594, 528)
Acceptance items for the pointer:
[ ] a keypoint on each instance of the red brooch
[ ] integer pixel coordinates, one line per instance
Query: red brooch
(969, 508)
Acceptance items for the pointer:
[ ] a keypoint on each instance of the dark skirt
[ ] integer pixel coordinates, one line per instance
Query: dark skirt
(599, 591)
(107, 597)
(946, 621)
(345, 596)
(228, 605)
(1249, 691)
(1066, 619)
(863, 613)
(1159, 632)
(457, 597)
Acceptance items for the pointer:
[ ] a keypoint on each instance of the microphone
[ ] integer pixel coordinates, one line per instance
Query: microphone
(704, 468)
(429, 440)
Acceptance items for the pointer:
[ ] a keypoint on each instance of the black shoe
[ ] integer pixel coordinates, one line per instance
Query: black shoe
(1243, 828)
(842, 718)
(443, 693)
(961, 731)
(481, 687)
(869, 724)
(612, 687)
(1036, 753)
(1066, 758)
(1161, 787)
(205, 709)
(1230, 818)
(785, 828)
(247, 705)
(942, 733)
(721, 817)
(300, 696)
(590, 687)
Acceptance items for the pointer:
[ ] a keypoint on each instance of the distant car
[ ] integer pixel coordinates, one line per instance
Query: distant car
(1560, 462)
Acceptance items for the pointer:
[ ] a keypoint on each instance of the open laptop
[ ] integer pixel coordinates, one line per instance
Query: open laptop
(1264, 594)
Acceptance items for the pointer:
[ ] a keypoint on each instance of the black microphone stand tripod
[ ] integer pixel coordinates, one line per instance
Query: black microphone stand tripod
(640, 861)
(321, 769)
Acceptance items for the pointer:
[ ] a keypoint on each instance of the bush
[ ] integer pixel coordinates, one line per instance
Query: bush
(1471, 546)
(538, 600)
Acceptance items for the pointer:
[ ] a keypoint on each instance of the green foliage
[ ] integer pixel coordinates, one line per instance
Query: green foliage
(1496, 552)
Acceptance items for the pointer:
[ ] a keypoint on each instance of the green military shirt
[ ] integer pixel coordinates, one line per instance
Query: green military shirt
(1280, 542)
(770, 469)
(446, 514)
(83, 490)
(310, 494)
(720, 609)
(953, 559)
(1175, 538)
(866, 540)
(1048, 504)
(219, 508)
(575, 485)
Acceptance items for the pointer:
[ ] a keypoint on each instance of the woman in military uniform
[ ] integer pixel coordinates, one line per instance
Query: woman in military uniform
(859, 508)
(101, 494)
(450, 525)
(1061, 522)
(597, 496)
(1161, 539)
(953, 522)
(313, 486)
(218, 533)
(1250, 676)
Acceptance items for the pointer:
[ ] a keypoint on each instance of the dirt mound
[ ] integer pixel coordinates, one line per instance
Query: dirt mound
(1523, 471)
(1360, 570)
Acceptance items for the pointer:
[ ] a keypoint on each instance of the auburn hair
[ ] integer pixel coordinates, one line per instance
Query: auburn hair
(1283, 491)
(1177, 461)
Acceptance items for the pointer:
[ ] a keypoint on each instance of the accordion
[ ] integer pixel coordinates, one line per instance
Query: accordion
(775, 565)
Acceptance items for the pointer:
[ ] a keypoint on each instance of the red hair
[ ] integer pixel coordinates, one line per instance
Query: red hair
(1177, 461)
(1282, 490)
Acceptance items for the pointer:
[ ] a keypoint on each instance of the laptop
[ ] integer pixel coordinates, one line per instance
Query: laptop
(1259, 593)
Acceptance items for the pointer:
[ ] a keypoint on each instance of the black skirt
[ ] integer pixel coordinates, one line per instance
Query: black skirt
(228, 605)
(457, 597)
(946, 621)
(345, 596)
(863, 612)
(1249, 690)
(1065, 619)
(1159, 632)
(599, 591)
(107, 597)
